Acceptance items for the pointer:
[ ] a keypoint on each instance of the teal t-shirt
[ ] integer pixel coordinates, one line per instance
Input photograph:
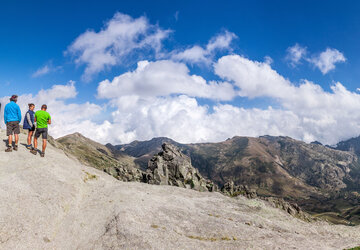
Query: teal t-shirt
(42, 118)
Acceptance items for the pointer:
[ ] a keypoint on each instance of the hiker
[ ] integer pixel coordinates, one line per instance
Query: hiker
(29, 124)
(42, 119)
(12, 118)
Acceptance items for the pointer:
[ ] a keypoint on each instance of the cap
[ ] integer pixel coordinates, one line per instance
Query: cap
(13, 98)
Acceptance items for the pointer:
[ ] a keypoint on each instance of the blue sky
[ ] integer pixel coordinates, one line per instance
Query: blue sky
(40, 37)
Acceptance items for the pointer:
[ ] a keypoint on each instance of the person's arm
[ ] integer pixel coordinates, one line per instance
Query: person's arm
(49, 120)
(29, 119)
(19, 113)
(5, 115)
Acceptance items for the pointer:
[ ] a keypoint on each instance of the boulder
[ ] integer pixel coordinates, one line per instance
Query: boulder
(171, 167)
(125, 173)
(232, 190)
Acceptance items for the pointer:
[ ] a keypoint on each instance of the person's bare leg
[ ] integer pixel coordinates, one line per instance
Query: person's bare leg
(29, 137)
(10, 141)
(44, 145)
(35, 142)
(16, 139)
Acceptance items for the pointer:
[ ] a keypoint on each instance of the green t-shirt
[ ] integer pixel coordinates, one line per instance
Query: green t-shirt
(42, 118)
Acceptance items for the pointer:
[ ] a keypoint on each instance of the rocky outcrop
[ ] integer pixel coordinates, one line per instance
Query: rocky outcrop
(291, 208)
(125, 173)
(171, 167)
(234, 190)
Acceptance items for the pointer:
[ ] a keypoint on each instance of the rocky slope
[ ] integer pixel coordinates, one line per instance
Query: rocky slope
(88, 152)
(57, 203)
(317, 177)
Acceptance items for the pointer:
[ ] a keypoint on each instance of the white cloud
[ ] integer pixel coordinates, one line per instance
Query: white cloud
(41, 71)
(295, 54)
(254, 78)
(163, 78)
(114, 43)
(46, 69)
(146, 106)
(197, 54)
(327, 59)
(268, 60)
(161, 98)
(220, 41)
(306, 112)
(324, 116)
(176, 15)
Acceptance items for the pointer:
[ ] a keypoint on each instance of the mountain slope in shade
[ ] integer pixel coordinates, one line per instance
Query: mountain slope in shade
(57, 203)
(352, 145)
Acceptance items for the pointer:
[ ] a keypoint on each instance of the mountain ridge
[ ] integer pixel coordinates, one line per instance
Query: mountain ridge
(309, 174)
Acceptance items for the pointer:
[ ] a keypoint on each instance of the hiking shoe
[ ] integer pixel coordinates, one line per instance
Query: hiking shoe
(42, 154)
(33, 151)
(16, 147)
(9, 149)
(29, 146)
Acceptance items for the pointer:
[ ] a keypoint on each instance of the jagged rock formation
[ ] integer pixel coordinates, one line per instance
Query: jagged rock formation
(143, 151)
(171, 167)
(291, 208)
(232, 190)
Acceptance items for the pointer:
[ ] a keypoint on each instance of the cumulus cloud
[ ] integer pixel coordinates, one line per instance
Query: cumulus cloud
(306, 111)
(185, 120)
(114, 42)
(147, 104)
(325, 116)
(163, 78)
(253, 78)
(295, 54)
(161, 98)
(197, 54)
(327, 59)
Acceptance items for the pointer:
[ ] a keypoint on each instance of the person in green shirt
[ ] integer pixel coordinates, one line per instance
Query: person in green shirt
(42, 119)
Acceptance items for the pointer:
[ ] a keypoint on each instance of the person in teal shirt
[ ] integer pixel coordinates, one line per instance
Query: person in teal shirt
(12, 118)
(42, 119)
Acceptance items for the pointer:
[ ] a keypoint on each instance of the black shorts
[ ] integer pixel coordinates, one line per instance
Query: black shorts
(41, 131)
(32, 129)
(12, 128)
